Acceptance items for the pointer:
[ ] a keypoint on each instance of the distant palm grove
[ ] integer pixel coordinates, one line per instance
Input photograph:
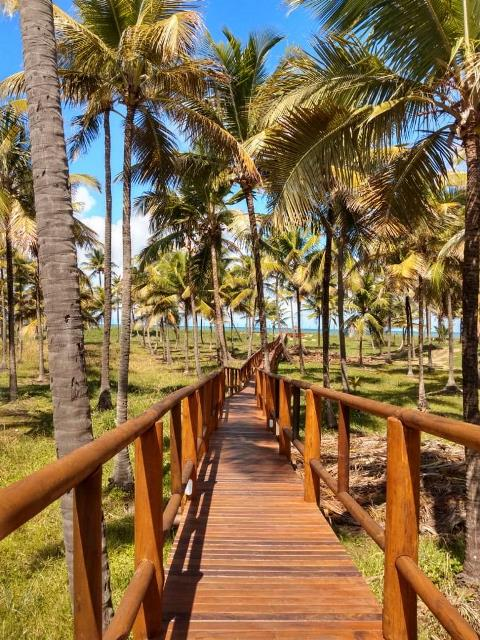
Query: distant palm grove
(338, 189)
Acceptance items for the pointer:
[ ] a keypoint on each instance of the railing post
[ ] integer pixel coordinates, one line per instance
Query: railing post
(343, 447)
(296, 412)
(258, 388)
(189, 434)
(202, 418)
(401, 529)
(268, 400)
(313, 421)
(284, 418)
(87, 558)
(176, 448)
(149, 527)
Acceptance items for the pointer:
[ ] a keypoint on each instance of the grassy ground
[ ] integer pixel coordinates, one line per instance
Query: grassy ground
(33, 578)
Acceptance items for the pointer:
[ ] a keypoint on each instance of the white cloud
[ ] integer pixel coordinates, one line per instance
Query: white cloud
(139, 230)
(83, 199)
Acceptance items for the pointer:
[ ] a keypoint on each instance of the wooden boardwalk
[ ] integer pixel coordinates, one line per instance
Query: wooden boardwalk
(251, 559)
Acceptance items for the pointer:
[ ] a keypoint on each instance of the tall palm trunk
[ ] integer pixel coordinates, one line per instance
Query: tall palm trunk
(299, 323)
(105, 398)
(38, 308)
(218, 306)
(422, 396)
(251, 321)
(470, 292)
(167, 345)
(428, 320)
(327, 273)
(451, 386)
(409, 329)
(388, 359)
(57, 254)
(12, 361)
(122, 471)
(360, 349)
(186, 346)
(262, 318)
(196, 342)
(3, 364)
(341, 314)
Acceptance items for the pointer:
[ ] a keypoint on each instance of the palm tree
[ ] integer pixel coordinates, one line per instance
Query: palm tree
(57, 255)
(366, 307)
(415, 73)
(293, 251)
(234, 102)
(148, 71)
(95, 263)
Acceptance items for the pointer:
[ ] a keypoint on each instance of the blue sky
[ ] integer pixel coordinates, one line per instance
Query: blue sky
(241, 18)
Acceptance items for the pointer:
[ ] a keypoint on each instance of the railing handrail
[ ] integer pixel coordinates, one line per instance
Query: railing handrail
(404, 580)
(24, 499)
(458, 431)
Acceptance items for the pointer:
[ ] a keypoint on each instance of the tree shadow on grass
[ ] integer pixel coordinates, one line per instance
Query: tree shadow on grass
(38, 422)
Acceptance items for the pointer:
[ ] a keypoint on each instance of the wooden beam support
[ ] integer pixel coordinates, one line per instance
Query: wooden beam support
(149, 528)
(87, 558)
(313, 421)
(401, 530)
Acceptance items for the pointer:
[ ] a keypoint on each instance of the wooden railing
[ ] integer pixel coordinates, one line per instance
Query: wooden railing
(237, 377)
(194, 414)
(279, 397)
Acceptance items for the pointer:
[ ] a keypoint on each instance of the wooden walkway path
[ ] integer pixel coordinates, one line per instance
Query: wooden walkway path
(251, 559)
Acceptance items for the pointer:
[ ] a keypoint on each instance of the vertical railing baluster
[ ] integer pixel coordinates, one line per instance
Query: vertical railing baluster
(401, 529)
(313, 421)
(87, 558)
(189, 431)
(176, 449)
(284, 418)
(296, 412)
(149, 527)
(200, 418)
(343, 447)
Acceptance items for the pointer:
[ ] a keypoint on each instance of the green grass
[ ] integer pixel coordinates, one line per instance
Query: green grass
(34, 601)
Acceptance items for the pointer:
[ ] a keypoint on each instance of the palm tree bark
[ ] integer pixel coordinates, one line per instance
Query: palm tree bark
(255, 241)
(167, 345)
(105, 398)
(470, 385)
(327, 274)
(12, 361)
(408, 314)
(38, 308)
(3, 364)
(451, 386)
(422, 396)
(57, 254)
(218, 305)
(122, 471)
(428, 320)
(196, 342)
(341, 314)
(299, 322)
(185, 342)
(388, 359)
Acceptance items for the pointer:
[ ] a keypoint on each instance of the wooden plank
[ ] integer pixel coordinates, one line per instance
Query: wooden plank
(251, 559)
